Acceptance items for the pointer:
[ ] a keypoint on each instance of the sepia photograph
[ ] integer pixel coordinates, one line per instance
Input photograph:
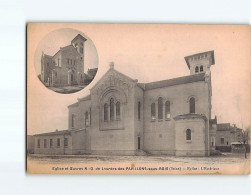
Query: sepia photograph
(138, 98)
(66, 61)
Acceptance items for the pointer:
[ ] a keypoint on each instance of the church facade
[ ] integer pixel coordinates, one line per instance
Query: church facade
(66, 67)
(122, 116)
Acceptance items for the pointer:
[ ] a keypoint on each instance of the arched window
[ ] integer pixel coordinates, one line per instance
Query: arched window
(192, 105)
(167, 110)
(118, 110)
(160, 108)
(196, 69)
(105, 112)
(201, 68)
(86, 119)
(111, 109)
(153, 111)
(139, 110)
(188, 134)
(72, 120)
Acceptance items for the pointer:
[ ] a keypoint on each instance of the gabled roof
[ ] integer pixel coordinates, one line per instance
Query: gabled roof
(64, 48)
(223, 127)
(119, 73)
(62, 132)
(88, 97)
(174, 81)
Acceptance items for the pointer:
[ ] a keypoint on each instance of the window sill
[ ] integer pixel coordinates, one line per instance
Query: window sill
(188, 141)
(167, 119)
(160, 120)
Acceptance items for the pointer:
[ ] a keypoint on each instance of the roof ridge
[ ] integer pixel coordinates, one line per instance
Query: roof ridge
(176, 78)
(175, 81)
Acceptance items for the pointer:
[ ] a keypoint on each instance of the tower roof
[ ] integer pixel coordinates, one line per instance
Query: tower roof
(79, 36)
(207, 54)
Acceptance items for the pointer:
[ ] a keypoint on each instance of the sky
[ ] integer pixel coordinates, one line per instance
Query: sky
(150, 52)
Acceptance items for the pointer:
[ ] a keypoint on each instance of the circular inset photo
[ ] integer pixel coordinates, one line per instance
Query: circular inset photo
(66, 61)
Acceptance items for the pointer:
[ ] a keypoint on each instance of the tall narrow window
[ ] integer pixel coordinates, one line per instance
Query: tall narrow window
(51, 143)
(105, 112)
(81, 50)
(160, 108)
(45, 143)
(38, 143)
(68, 61)
(118, 110)
(72, 120)
(111, 109)
(222, 140)
(139, 109)
(90, 116)
(86, 119)
(58, 142)
(192, 105)
(153, 111)
(196, 69)
(65, 142)
(188, 134)
(201, 68)
(167, 110)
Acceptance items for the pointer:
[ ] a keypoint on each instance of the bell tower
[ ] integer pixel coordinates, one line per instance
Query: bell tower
(78, 42)
(200, 62)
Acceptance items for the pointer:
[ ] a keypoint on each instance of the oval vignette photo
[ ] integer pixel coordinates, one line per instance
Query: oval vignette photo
(66, 61)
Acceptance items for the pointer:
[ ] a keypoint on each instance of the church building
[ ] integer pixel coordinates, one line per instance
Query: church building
(122, 116)
(66, 67)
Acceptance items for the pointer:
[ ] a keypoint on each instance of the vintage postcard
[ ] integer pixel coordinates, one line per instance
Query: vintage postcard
(138, 98)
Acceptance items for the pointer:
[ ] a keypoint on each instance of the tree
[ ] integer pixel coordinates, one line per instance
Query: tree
(245, 137)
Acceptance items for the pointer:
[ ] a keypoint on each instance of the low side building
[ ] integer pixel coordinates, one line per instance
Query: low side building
(60, 142)
(30, 140)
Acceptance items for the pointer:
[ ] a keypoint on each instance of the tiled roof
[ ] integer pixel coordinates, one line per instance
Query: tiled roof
(190, 116)
(175, 81)
(223, 127)
(62, 132)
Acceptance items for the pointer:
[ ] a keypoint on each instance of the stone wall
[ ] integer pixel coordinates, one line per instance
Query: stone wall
(195, 146)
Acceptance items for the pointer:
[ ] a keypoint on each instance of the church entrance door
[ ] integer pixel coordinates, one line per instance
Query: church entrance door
(138, 143)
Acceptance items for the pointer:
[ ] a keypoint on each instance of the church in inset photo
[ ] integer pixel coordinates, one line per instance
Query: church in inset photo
(65, 71)
(122, 116)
